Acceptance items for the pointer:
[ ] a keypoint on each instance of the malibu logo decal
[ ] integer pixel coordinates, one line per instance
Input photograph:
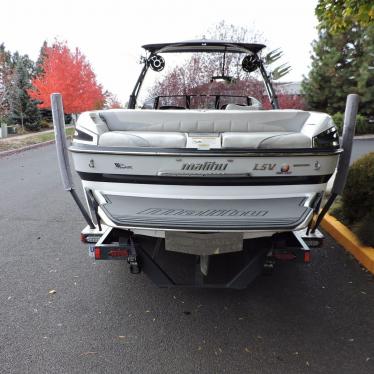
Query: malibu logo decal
(206, 166)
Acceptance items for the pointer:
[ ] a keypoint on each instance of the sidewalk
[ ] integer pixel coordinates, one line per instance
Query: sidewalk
(24, 136)
(19, 143)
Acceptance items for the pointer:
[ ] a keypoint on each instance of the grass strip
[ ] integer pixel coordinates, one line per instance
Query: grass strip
(11, 144)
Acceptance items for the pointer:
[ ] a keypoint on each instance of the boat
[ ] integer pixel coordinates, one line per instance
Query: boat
(203, 185)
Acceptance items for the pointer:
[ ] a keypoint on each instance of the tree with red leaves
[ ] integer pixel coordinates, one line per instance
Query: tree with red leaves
(111, 101)
(70, 74)
(286, 101)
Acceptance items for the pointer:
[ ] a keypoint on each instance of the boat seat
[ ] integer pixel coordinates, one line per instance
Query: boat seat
(143, 139)
(179, 140)
(265, 140)
(207, 121)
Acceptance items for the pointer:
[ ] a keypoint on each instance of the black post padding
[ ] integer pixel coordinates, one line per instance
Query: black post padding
(59, 129)
(324, 210)
(351, 109)
(62, 153)
(82, 209)
(347, 142)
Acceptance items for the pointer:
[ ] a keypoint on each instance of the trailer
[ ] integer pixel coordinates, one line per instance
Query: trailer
(192, 258)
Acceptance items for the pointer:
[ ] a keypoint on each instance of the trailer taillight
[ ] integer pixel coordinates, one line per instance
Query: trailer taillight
(90, 238)
(97, 253)
(118, 253)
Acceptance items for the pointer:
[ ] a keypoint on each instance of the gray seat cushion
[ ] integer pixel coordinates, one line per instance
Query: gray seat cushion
(265, 140)
(216, 121)
(143, 139)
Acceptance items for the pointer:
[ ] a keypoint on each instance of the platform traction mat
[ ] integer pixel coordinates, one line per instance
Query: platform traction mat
(205, 214)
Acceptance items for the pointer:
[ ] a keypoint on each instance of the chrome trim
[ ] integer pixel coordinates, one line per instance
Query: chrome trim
(173, 153)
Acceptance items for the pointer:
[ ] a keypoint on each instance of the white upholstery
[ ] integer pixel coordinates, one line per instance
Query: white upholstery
(235, 127)
(205, 120)
(143, 139)
(265, 140)
(256, 106)
(229, 140)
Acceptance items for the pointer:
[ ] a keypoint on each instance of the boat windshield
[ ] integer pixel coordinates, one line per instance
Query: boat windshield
(189, 81)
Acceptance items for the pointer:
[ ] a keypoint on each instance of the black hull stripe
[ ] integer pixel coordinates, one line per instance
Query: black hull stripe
(205, 181)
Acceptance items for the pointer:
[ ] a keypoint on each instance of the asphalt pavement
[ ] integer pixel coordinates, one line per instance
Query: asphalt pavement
(316, 318)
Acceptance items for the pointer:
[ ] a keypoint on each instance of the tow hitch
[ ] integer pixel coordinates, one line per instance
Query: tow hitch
(109, 244)
(132, 258)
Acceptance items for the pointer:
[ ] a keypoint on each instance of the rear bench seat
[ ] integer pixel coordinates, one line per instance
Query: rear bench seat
(238, 129)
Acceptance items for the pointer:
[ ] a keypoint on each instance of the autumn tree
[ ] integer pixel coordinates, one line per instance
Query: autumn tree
(194, 75)
(111, 101)
(70, 74)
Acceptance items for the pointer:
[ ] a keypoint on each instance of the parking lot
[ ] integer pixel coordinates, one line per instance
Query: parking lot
(61, 312)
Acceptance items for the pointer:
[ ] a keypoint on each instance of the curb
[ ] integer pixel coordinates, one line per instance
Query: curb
(364, 137)
(19, 150)
(345, 237)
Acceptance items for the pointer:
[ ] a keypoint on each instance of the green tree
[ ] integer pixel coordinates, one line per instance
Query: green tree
(339, 15)
(329, 80)
(6, 71)
(365, 81)
(23, 109)
(342, 63)
(41, 58)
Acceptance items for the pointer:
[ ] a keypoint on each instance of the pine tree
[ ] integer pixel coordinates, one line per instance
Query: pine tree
(365, 81)
(6, 71)
(342, 63)
(23, 109)
(40, 61)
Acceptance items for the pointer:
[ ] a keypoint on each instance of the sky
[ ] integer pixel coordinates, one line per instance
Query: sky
(110, 33)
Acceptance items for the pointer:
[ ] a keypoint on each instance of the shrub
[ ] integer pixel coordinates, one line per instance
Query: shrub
(358, 199)
(338, 119)
(44, 124)
(362, 124)
(365, 229)
(35, 126)
(337, 210)
(358, 194)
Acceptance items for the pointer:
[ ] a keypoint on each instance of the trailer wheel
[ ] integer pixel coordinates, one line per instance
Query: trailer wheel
(134, 268)
(268, 266)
